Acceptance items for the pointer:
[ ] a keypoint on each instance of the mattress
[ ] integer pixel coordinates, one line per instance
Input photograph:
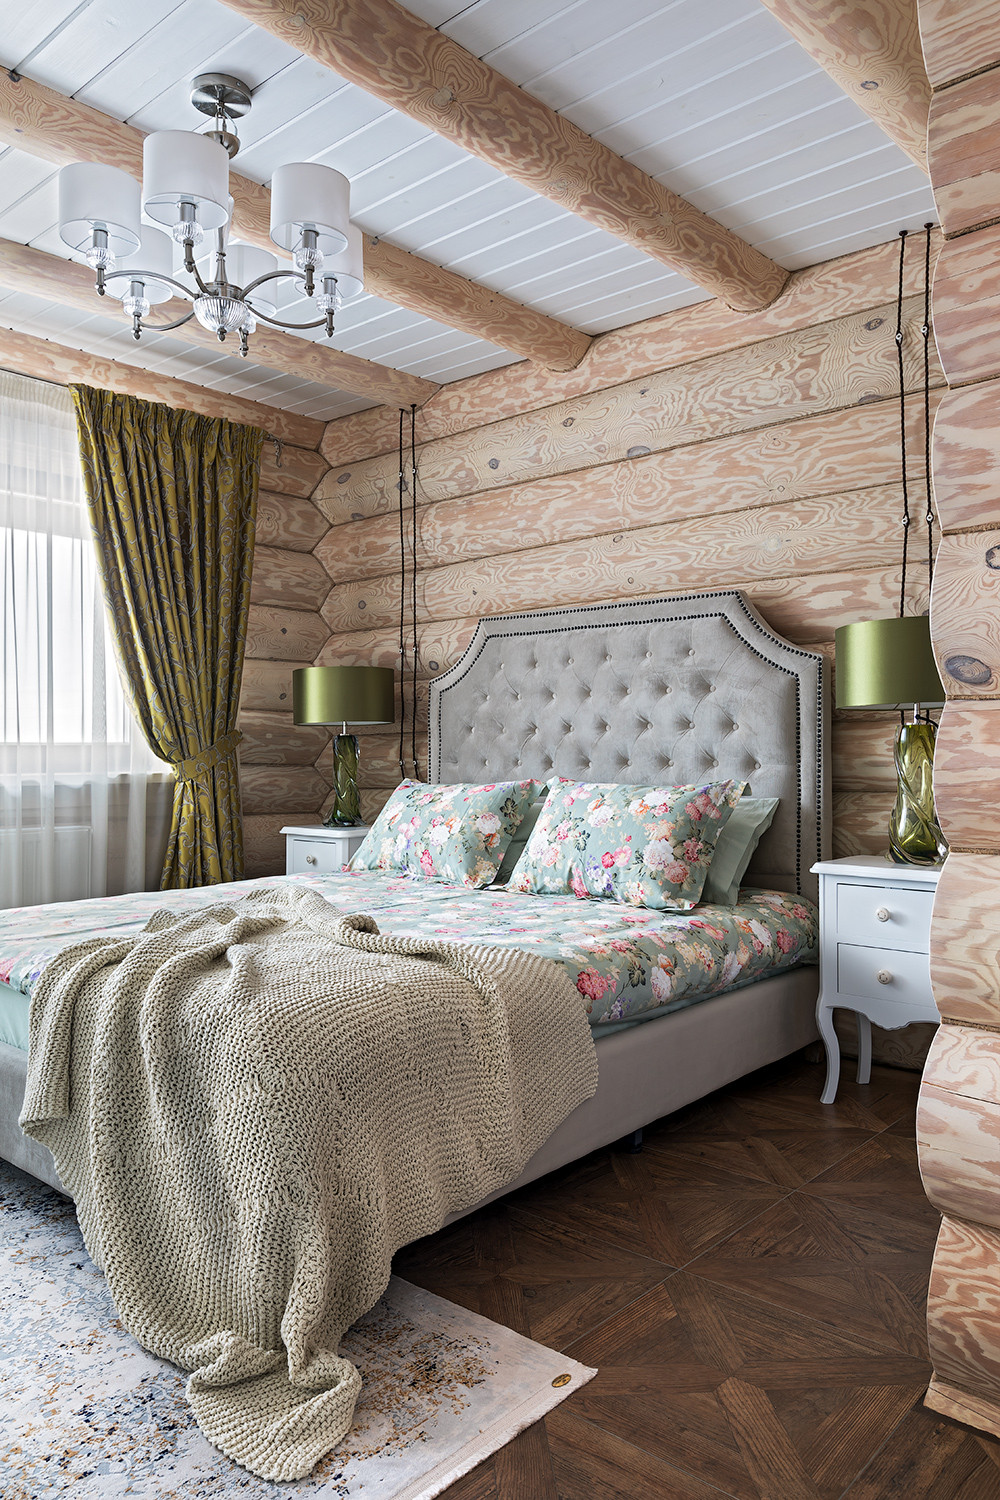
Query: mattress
(630, 964)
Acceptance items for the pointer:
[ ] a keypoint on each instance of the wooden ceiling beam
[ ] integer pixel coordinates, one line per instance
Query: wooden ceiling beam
(44, 360)
(872, 50)
(23, 269)
(38, 120)
(381, 48)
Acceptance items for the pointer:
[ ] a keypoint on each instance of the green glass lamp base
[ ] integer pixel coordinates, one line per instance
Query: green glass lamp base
(346, 809)
(915, 836)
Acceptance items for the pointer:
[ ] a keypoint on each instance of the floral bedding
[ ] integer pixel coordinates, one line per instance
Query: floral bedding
(628, 963)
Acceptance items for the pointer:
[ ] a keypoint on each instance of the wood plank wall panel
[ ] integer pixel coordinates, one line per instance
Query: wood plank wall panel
(289, 521)
(959, 1107)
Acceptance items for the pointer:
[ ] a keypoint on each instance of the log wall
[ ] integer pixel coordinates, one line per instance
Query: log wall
(958, 1120)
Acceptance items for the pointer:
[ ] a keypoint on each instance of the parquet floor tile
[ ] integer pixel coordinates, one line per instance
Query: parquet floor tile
(931, 1458)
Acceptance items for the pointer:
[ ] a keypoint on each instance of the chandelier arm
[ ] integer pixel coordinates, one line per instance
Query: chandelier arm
(165, 327)
(282, 323)
(272, 276)
(135, 274)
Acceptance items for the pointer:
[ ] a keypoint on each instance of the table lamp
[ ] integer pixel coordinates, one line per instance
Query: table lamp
(344, 695)
(889, 664)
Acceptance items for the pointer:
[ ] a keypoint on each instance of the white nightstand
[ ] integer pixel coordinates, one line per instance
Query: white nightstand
(874, 932)
(321, 851)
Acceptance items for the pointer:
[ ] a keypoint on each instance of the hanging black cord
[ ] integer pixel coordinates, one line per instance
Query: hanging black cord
(926, 332)
(902, 420)
(402, 605)
(413, 591)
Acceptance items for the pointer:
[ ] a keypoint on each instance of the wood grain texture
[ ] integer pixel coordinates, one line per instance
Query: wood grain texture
(272, 739)
(965, 940)
(965, 614)
(967, 307)
(958, 39)
(861, 822)
(267, 685)
(440, 643)
(815, 536)
(873, 52)
(37, 119)
(425, 74)
(862, 753)
(958, 1124)
(293, 580)
(847, 362)
(963, 1316)
(291, 635)
(44, 360)
(264, 843)
(963, 142)
(292, 471)
(966, 769)
(854, 447)
(819, 294)
(290, 521)
(965, 451)
(282, 789)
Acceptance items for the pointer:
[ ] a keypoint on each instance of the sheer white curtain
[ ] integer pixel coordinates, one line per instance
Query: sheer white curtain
(83, 800)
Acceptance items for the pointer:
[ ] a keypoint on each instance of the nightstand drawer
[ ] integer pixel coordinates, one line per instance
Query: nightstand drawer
(906, 977)
(889, 916)
(317, 856)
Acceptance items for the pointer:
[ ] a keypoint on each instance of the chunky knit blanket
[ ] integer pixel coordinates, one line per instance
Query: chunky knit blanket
(255, 1105)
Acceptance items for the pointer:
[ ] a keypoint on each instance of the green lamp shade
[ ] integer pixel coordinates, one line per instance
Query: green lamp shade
(886, 664)
(343, 695)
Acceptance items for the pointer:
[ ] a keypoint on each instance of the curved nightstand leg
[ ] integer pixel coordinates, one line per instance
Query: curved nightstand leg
(864, 1047)
(824, 1022)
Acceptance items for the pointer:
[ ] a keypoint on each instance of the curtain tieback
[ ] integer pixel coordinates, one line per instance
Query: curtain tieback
(197, 766)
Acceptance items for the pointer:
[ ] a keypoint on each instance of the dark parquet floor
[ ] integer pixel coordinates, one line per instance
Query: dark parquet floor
(751, 1288)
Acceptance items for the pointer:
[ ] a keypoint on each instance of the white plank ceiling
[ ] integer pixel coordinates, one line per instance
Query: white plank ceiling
(714, 99)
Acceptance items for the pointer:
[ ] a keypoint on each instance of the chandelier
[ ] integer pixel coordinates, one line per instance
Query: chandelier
(104, 216)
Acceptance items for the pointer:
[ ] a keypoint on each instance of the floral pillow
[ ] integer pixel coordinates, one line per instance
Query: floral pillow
(453, 833)
(647, 845)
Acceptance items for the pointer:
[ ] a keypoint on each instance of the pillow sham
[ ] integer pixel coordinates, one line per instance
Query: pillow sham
(456, 833)
(646, 845)
(734, 849)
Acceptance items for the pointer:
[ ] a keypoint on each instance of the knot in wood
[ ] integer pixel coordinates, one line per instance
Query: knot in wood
(442, 98)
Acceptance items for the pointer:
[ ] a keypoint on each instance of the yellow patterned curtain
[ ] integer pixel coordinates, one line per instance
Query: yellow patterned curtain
(173, 503)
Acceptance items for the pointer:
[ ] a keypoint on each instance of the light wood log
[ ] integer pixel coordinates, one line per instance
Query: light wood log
(861, 822)
(292, 470)
(440, 644)
(272, 739)
(282, 789)
(293, 580)
(873, 53)
(854, 447)
(414, 68)
(36, 119)
(40, 358)
(847, 362)
(267, 685)
(378, 767)
(819, 294)
(958, 1124)
(372, 804)
(38, 274)
(966, 772)
(958, 38)
(264, 843)
(290, 521)
(855, 530)
(862, 753)
(965, 614)
(965, 940)
(963, 1324)
(286, 635)
(963, 142)
(967, 307)
(966, 457)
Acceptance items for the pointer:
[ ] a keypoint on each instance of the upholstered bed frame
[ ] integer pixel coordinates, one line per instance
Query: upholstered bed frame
(689, 688)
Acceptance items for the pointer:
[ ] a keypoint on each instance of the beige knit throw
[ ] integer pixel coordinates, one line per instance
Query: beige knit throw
(255, 1105)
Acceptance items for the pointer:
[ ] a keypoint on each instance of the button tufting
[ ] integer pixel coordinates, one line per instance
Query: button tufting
(691, 652)
(756, 765)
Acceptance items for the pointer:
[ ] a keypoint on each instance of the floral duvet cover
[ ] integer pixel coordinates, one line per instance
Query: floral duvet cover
(628, 963)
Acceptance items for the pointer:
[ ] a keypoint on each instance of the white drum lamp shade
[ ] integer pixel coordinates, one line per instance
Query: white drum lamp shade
(181, 167)
(155, 253)
(307, 195)
(244, 263)
(93, 196)
(348, 266)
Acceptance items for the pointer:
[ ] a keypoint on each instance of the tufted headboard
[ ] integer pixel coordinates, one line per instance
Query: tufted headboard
(687, 688)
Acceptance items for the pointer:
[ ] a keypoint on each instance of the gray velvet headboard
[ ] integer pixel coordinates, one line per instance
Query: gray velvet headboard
(687, 688)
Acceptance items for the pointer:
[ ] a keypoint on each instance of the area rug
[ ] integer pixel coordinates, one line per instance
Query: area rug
(86, 1413)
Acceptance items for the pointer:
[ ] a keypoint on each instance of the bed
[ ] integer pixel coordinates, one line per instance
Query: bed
(689, 688)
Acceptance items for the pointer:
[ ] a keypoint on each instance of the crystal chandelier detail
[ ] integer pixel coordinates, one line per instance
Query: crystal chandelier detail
(120, 229)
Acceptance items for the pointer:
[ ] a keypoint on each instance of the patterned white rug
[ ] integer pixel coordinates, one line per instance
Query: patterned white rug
(86, 1413)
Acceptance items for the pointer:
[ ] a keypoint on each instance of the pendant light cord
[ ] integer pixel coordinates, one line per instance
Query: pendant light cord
(926, 333)
(413, 591)
(402, 604)
(902, 420)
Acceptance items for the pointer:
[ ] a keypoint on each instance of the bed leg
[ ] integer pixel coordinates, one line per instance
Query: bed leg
(631, 1143)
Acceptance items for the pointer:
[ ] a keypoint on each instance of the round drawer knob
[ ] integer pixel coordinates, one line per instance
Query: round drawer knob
(882, 913)
(310, 859)
(884, 976)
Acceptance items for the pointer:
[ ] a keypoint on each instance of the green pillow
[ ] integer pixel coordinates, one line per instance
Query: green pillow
(748, 822)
